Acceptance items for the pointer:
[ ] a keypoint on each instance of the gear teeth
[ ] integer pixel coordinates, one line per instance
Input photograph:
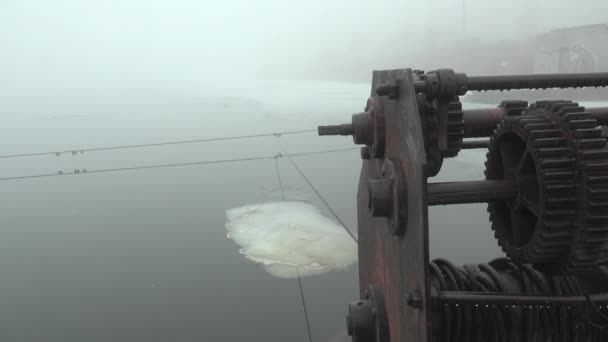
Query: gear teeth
(599, 179)
(574, 116)
(562, 107)
(546, 104)
(530, 119)
(544, 133)
(582, 124)
(513, 107)
(560, 200)
(552, 151)
(555, 162)
(455, 128)
(558, 174)
(591, 143)
(587, 133)
(541, 126)
(598, 192)
(571, 164)
(597, 166)
(549, 142)
(594, 154)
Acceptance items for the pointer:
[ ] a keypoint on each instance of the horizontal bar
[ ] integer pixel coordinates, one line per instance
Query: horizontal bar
(600, 114)
(480, 123)
(497, 298)
(345, 129)
(475, 144)
(470, 192)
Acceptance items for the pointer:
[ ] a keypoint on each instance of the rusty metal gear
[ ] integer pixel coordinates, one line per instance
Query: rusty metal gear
(556, 156)
(590, 245)
(428, 119)
(430, 111)
(531, 150)
(514, 107)
(455, 128)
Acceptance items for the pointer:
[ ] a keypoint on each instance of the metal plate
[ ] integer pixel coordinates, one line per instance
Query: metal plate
(398, 263)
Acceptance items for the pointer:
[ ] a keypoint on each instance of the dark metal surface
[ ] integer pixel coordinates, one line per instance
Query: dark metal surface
(397, 264)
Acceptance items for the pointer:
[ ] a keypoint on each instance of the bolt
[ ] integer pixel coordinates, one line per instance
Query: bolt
(363, 128)
(365, 155)
(390, 89)
(383, 90)
(380, 196)
(349, 325)
(360, 323)
(368, 104)
(414, 299)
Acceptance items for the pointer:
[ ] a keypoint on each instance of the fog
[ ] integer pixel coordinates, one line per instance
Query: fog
(142, 255)
(134, 43)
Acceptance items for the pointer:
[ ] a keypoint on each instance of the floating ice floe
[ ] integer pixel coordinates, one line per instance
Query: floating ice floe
(289, 237)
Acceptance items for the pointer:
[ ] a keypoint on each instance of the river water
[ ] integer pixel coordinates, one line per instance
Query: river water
(143, 255)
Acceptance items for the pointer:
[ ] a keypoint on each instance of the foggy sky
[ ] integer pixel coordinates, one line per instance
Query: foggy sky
(80, 44)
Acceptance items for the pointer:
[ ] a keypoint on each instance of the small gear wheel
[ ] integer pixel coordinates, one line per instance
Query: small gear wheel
(428, 118)
(455, 128)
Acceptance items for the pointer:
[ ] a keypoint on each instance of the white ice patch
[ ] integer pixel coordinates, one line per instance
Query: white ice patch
(283, 236)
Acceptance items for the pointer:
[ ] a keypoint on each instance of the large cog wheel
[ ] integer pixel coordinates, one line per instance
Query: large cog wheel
(532, 151)
(589, 248)
(557, 157)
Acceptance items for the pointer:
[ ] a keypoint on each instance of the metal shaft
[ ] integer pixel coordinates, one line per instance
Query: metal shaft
(345, 129)
(470, 192)
(541, 81)
(484, 298)
(480, 123)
